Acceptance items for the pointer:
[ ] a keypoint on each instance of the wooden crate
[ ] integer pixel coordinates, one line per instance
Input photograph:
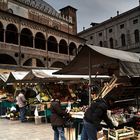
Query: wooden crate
(137, 135)
(121, 134)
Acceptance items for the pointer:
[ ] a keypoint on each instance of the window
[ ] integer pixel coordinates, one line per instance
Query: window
(121, 26)
(91, 37)
(101, 43)
(123, 40)
(135, 21)
(111, 42)
(110, 30)
(137, 37)
(100, 34)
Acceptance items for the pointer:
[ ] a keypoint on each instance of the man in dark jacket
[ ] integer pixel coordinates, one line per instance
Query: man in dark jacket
(93, 116)
(57, 119)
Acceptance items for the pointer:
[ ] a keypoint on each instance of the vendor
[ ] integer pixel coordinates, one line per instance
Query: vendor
(93, 116)
(21, 102)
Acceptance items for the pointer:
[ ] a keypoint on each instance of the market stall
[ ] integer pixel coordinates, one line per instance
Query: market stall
(123, 67)
(41, 86)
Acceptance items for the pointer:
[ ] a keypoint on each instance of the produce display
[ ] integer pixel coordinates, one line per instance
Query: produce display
(79, 109)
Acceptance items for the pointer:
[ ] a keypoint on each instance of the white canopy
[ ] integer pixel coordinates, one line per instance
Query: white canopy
(17, 75)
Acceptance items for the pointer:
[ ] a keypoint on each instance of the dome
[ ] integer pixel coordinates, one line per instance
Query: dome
(40, 5)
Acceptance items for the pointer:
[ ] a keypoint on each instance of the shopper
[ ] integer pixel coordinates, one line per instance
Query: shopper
(84, 97)
(21, 102)
(57, 119)
(93, 116)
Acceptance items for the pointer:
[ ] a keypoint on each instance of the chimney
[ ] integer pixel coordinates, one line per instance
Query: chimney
(93, 24)
(117, 13)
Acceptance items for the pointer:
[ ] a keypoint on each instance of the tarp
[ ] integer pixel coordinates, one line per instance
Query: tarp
(103, 61)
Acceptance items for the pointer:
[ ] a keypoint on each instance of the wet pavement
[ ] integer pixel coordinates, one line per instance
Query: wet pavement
(15, 130)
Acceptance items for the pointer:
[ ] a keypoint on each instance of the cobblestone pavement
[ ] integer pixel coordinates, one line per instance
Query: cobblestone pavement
(15, 130)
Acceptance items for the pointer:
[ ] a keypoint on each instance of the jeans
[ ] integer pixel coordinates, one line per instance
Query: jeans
(59, 131)
(22, 113)
(89, 131)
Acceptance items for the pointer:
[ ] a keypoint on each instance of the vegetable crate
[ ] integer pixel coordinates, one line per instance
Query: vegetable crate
(121, 134)
(137, 135)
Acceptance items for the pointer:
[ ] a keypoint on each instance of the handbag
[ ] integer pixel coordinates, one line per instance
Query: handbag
(69, 123)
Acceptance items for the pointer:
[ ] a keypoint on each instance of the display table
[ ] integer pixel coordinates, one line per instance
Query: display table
(74, 132)
(78, 115)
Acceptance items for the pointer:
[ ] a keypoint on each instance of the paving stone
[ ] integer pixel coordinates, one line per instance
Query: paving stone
(15, 130)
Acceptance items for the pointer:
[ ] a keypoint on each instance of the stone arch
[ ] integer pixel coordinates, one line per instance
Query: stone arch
(28, 62)
(40, 42)
(39, 63)
(11, 34)
(1, 33)
(63, 47)
(58, 64)
(7, 59)
(52, 44)
(72, 49)
(26, 37)
(80, 47)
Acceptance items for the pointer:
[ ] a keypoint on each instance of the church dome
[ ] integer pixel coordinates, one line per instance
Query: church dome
(40, 5)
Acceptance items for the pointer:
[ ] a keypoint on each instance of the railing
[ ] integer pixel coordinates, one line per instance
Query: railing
(32, 51)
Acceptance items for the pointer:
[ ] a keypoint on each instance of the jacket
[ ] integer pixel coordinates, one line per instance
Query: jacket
(57, 114)
(98, 112)
(21, 101)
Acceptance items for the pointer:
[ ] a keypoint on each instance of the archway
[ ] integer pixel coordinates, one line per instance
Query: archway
(63, 48)
(11, 34)
(52, 44)
(29, 62)
(7, 59)
(40, 42)
(58, 65)
(39, 63)
(1, 32)
(26, 38)
(72, 49)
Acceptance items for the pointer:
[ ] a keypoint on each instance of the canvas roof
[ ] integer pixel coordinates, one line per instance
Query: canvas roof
(103, 61)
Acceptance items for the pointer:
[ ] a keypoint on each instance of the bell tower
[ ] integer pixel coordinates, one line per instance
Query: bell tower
(70, 13)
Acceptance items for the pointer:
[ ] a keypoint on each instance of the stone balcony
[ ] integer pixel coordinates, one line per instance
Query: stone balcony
(8, 48)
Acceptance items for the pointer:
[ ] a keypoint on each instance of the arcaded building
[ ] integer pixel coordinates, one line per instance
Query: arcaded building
(34, 35)
(119, 32)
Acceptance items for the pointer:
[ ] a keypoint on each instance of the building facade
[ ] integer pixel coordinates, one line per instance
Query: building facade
(33, 34)
(119, 32)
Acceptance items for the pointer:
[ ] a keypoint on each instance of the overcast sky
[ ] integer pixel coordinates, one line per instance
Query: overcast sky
(94, 10)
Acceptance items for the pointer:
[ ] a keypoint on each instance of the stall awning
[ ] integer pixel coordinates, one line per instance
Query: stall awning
(17, 75)
(3, 77)
(37, 74)
(103, 61)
